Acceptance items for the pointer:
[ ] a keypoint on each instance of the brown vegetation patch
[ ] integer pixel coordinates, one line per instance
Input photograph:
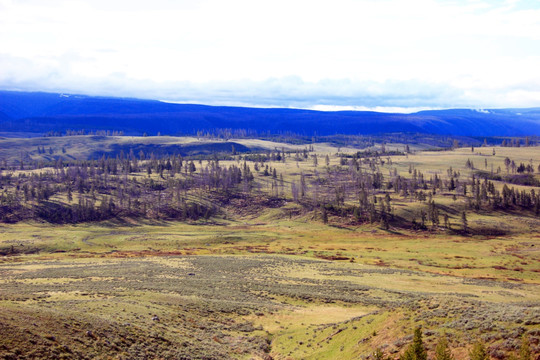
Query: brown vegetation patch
(332, 257)
(142, 253)
(256, 249)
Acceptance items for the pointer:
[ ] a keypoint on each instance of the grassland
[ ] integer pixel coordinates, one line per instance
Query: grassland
(261, 282)
(93, 146)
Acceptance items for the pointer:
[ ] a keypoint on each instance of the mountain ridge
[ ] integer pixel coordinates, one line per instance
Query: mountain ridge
(44, 112)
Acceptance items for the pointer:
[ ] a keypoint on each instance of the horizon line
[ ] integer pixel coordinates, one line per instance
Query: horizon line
(314, 107)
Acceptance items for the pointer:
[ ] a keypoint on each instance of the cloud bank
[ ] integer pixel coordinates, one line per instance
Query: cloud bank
(308, 54)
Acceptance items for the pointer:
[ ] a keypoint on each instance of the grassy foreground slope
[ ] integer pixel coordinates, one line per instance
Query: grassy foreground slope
(270, 279)
(250, 291)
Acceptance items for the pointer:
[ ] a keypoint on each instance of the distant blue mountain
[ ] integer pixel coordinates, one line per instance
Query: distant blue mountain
(43, 112)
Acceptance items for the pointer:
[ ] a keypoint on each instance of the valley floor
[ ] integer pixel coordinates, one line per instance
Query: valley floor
(283, 289)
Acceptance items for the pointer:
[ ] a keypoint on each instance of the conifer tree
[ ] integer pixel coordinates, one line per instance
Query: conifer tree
(464, 222)
(416, 350)
(442, 351)
(478, 352)
(378, 354)
(324, 215)
(525, 349)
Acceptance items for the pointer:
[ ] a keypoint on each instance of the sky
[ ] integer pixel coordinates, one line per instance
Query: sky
(328, 55)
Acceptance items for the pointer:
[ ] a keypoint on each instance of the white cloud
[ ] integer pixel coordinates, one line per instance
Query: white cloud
(344, 53)
(386, 109)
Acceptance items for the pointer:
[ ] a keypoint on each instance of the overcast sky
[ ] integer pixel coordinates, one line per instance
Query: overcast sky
(380, 54)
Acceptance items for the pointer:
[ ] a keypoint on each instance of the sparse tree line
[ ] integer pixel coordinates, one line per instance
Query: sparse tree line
(360, 181)
(70, 132)
(417, 350)
(362, 188)
(106, 188)
(516, 142)
(360, 141)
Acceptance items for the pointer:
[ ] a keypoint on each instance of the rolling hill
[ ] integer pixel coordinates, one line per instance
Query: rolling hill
(26, 112)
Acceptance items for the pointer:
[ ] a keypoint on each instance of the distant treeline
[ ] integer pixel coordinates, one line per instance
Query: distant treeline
(359, 141)
(70, 132)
